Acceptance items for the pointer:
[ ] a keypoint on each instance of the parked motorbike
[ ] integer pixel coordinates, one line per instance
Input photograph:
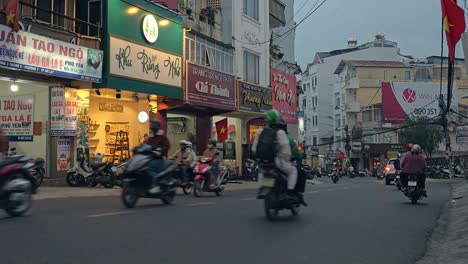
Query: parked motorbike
(363, 173)
(138, 178)
(307, 170)
(99, 173)
(415, 192)
(252, 170)
(15, 185)
(273, 192)
(202, 180)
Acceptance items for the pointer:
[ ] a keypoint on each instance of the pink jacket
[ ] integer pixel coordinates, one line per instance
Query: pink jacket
(413, 164)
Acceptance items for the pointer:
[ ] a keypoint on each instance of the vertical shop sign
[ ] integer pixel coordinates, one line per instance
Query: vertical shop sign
(70, 112)
(17, 117)
(63, 154)
(284, 94)
(63, 115)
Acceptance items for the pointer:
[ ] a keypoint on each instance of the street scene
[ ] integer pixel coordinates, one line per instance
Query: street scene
(228, 131)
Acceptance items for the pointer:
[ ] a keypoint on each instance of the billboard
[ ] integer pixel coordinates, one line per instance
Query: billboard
(412, 99)
(284, 94)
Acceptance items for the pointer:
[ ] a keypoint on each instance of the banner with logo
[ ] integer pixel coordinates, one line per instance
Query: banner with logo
(253, 97)
(63, 115)
(63, 154)
(31, 52)
(412, 99)
(284, 94)
(206, 87)
(17, 117)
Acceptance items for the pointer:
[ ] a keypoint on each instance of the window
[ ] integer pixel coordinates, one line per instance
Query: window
(304, 87)
(367, 116)
(314, 141)
(251, 8)
(46, 7)
(377, 114)
(407, 75)
(337, 121)
(251, 67)
(304, 102)
(203, 52)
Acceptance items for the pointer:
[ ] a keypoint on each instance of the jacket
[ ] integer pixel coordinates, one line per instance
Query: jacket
(283, 146)
(413, 164)
(159, 141)
(184, 157)
(212, 153)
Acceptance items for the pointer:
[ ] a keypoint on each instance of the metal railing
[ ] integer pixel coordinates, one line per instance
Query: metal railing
(29, 12)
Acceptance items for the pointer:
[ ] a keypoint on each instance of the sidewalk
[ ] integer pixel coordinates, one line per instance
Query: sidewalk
(449, 241)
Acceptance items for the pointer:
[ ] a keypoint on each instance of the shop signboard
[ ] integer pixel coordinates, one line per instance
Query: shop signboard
(206, 87)
(63, 115)
(412, 99)
(462, 135)
(63, 154)
(134, 61)
(229, 151)
(284, 94)
(17, 117)
(31, 52)
(253, 97)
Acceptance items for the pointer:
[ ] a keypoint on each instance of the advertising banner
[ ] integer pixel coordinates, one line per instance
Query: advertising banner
(63, 154)
(139, 62)
(462, 135)
(284, 94)
(412, 99)
(17, 117)
(63, 115)
(254, 98)
(206, 87)
(31, 52)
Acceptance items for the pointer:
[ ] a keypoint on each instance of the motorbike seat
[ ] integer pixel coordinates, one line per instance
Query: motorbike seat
(98, 165)
(10, 160)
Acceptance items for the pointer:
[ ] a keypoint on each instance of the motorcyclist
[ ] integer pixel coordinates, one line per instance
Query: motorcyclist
(283, 153)
(160, 143)
(414, 163)
(215, 154)
(184, 158)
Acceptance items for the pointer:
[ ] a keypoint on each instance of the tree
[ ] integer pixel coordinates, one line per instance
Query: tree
(422, 131)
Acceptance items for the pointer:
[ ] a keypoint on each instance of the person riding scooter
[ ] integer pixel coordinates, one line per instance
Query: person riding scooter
(215, 154)
(184, 158)
(414, 163)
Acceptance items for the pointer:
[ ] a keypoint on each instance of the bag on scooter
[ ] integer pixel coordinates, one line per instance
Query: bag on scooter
(301, 181)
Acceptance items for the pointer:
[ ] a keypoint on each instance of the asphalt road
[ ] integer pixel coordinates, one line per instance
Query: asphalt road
(354, 221)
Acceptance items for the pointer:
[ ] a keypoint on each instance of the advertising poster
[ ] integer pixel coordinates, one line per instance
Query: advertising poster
(284, 94)
(63, 115)
(17, 117)
(63, 154)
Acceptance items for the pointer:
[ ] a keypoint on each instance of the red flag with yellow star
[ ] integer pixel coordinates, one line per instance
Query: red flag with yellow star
(222, 130)
(454, 24)
(12, 16)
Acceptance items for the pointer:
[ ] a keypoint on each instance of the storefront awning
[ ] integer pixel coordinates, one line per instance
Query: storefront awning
(197, 110)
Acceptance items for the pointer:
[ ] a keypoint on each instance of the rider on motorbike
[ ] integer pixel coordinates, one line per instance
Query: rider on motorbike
(414, 163)
(282, 159)
(215, 154)
(159, 142)
(184, 158)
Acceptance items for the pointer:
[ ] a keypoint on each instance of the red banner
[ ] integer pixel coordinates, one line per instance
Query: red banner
(284, 95)
(222, 130)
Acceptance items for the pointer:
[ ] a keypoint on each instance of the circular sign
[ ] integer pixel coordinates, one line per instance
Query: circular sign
(150, 28)
(143, 117)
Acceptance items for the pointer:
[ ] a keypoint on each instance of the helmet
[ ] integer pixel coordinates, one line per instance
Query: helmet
(183, 142)
(212, 142)
(155, 125)
(416, 148)
(273, 117)
(409, 146)
(189, 144)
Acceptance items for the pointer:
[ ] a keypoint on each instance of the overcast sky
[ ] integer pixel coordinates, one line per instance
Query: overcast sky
(413, 24)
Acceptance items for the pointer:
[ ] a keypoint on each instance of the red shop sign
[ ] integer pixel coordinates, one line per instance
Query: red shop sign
(284, 94)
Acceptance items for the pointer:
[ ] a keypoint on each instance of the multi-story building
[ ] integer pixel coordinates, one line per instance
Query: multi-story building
(319, 79)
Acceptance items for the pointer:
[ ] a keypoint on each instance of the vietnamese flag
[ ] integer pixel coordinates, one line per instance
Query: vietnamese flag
(12, 16)
(454, 24)
(221, 130)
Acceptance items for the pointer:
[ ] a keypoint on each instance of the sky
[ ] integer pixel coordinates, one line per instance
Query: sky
(414, 24)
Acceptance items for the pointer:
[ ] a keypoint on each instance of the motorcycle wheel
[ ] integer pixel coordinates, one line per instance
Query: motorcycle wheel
(108, 185)
(270, 212)
(197, 188)
(414, 200)
(129, 197)
(187, 188)
(295, 209)
(168, 198)
(219, 192)
(72, 179)
(18, 210)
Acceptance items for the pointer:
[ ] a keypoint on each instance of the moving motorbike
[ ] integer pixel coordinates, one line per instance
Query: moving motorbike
(138, 178)
(252, 170)
(202, 180)
(334, 175)
(99, 173)
(15, 185)
(36, 171)
(415, 192)
(273, 192)
(185, 183)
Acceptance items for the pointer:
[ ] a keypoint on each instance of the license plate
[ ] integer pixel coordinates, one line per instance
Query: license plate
(114, 169)
(268, 182)
(412, 183)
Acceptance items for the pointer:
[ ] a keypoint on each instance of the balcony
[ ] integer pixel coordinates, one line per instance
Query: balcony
(206, 21)
(350, 83)
(277, 16)
(353, 107)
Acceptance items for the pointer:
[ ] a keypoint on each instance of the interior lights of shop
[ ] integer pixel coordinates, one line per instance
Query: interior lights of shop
(163, 22)
(14, 88)
(118, 94)
(97, 92)
(132, 10)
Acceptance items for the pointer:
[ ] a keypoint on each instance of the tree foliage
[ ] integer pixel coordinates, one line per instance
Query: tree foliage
(424, 132)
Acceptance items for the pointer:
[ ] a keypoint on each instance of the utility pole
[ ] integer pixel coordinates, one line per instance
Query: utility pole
(348, 146)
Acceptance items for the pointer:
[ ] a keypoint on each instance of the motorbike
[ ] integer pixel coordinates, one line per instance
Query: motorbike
(309, 172)
(363, 173)
(202, 180)
(252, 169)
(273, 193)
(16, 185)
(100, 172)
(398, 182)
(36, 171)
(415, 192)
(138, 178)
(187, 183)
(334, 176)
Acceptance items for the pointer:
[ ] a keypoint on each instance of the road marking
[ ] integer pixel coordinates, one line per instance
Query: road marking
(330, 190)
(196, 204)
(248, 199)
(110, 214)
(311, 192)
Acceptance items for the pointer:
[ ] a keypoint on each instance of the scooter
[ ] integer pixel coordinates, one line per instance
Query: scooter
(252, 170)
(82, 175)
(15, 185)
(202, 180)
(36, 171)
(334, 176)
(138, 178)
(415, 192)
(185, 183)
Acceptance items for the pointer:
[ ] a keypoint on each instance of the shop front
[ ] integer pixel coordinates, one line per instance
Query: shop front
(39, 78)
(142, 78)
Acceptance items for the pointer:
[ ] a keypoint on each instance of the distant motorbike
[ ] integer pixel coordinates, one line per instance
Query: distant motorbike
(308, 171)
(415, 192)
(99, 173)
(363, 173)
(202, 180)
(252, 170)
(334, 176)
(138, 178)
(15, 185)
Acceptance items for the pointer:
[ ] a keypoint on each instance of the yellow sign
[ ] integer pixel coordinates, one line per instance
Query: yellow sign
(392, 154)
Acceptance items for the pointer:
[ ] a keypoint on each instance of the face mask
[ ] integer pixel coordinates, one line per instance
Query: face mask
(210, 146)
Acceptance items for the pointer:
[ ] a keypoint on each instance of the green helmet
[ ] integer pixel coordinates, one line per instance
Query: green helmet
(273, 117)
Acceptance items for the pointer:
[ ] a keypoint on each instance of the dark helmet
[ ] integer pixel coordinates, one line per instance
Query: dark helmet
(212, 142)
(409, 147)
(155, 125)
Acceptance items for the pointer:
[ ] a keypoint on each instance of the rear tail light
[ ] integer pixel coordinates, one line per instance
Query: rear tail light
(387, 168)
